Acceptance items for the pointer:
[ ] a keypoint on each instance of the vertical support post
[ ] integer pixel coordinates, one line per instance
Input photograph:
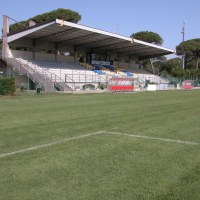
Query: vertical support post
(118, 59)
(183, 57)
(105, 56)
(34, 44)
(72, 75)
(75, 53)
(28, 85)
(90, 59)
(129, 61)
(56, 51)
(5, 34)
(85, 80)
(45, 83)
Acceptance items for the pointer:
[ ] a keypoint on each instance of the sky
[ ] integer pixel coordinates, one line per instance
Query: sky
(164, 17)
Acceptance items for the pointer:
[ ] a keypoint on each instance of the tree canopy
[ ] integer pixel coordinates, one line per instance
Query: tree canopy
(191, 50)
(148, 36)
(65, 14)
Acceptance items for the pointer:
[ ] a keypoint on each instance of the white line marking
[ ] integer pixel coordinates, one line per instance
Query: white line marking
(153, 138)
(91, 134)
(47, 145)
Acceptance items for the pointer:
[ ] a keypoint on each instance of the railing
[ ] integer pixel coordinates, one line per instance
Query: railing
(153, 78)
(78, 79)
(69, 80)
(39, 75)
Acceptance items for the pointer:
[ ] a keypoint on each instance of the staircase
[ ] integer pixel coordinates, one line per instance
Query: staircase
(40, 76)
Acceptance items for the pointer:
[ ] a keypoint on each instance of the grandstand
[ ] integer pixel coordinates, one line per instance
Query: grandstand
(64, 56)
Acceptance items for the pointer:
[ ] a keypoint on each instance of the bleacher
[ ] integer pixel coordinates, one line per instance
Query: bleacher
(76, 75)
(71, 73)
(143, 75)
(122, 72)
(107, 70)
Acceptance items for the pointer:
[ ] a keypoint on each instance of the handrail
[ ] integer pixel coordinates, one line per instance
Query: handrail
(73, 82)
(154, 78)
(39, 70)
(97, 76)
(43, 69)
(24, 68)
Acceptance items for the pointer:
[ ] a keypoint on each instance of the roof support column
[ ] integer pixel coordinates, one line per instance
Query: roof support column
(5, 34)
(105, 56)
(90, 57)
(34, 44)
(118, 59)
(56, 51)
(75, 53)
(108, 58)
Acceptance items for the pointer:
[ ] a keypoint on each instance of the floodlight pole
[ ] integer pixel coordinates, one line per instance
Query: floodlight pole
(183, 32)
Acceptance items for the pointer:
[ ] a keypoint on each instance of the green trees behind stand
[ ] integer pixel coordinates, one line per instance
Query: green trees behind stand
(191, 50)
(148, 36)
(65, 14)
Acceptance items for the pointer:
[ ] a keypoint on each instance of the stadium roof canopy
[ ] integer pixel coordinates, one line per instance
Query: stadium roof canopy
(67, 33)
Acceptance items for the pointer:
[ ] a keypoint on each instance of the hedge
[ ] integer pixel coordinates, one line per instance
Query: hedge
(88, 86)
(7, 86)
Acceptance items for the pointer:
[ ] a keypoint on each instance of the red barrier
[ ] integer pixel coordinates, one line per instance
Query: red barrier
(122, 88)
(188, 84)
(187, 87)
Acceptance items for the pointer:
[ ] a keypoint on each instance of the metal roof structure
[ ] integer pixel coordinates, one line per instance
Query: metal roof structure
(67, 33)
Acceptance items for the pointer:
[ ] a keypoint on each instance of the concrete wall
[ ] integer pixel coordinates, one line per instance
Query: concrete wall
(62, 58)
(26, 54)
(28, 43)
(65, 58)
(38, 45)
(42, 56)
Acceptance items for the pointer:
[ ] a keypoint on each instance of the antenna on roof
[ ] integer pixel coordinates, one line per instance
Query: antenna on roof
(183, 31)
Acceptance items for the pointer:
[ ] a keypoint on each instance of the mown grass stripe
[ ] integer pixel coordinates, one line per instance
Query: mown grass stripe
(47, 145)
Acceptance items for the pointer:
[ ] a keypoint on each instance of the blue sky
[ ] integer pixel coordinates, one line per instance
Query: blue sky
(164, 17)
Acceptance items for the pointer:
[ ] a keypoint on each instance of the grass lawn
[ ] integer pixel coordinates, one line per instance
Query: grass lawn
(100, 146)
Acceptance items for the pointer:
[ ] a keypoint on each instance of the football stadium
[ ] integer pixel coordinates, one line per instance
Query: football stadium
(63, 56)
(93, 130)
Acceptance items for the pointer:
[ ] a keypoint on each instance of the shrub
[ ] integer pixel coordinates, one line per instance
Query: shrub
(7, 86)
(101, 86)
(89, 87)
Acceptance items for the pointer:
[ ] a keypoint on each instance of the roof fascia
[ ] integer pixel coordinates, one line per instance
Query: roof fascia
(78, 26)
(152, 45)
(16, 36)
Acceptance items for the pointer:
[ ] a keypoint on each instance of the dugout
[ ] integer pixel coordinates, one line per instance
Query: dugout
(121, 84)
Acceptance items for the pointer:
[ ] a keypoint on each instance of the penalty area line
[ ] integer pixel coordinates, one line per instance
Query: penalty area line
(153, 138)
(91, 134)
(48, 144)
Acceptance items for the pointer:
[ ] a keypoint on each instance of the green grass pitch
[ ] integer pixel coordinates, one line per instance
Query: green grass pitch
(76, 152)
